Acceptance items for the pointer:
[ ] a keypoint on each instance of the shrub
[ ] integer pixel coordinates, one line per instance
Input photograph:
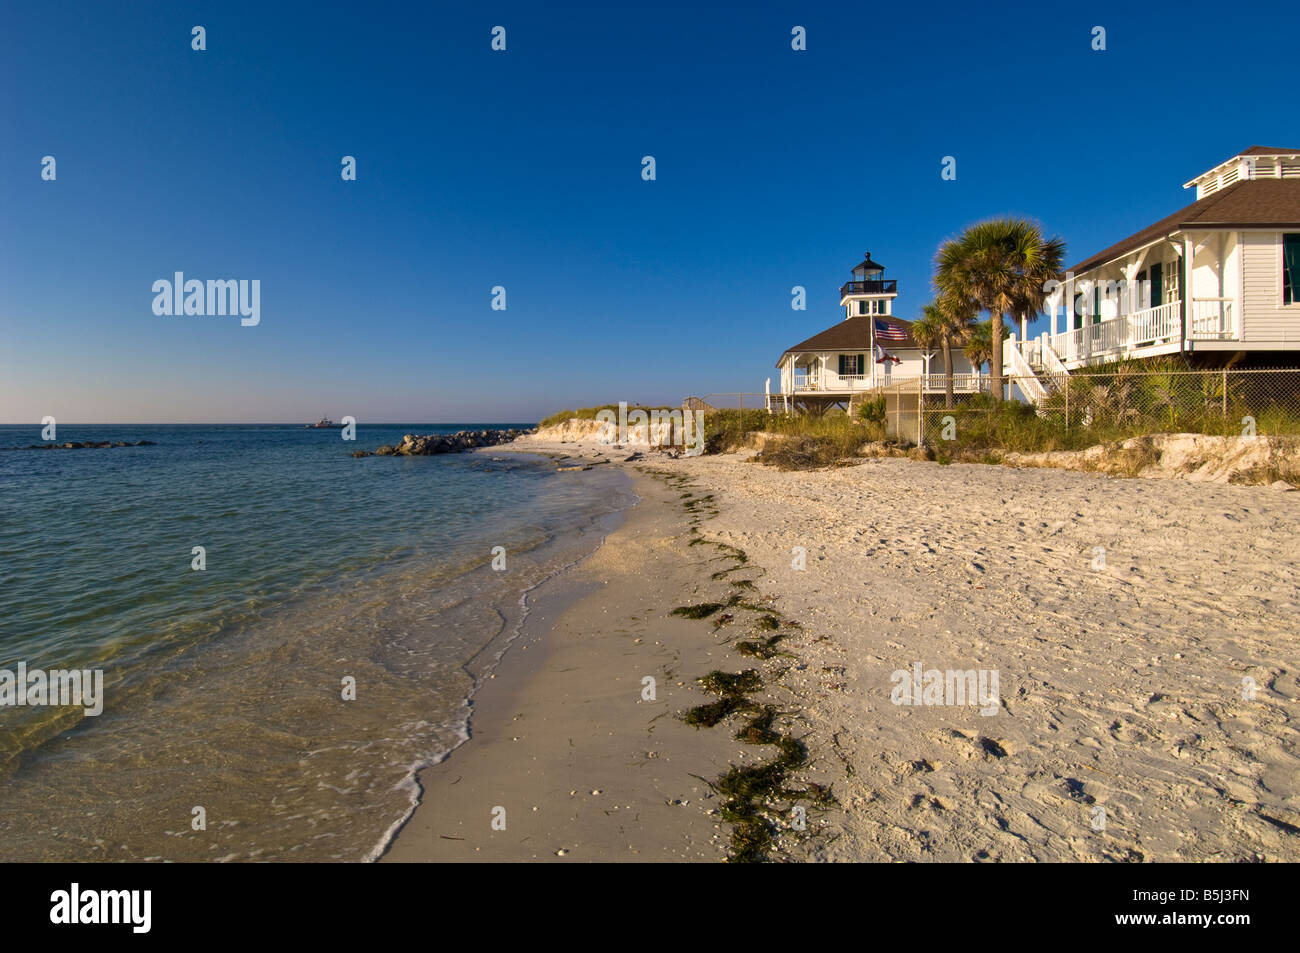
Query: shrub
(804, 451)
(873, 411)
(554, 419)
(725, 429)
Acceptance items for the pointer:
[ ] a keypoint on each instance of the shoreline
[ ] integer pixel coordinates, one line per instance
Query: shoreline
(484, 673)
(561, 725)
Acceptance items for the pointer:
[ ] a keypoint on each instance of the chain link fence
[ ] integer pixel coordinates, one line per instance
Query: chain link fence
(1065, 411)
(1087, 407)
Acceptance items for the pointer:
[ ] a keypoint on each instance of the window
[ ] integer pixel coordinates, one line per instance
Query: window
(862, 308)
(1291, 269)
(872, 307)
(852, 365)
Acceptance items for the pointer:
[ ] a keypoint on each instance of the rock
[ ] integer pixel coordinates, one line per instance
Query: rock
(361, 453)
(85, 445)
(414, 445)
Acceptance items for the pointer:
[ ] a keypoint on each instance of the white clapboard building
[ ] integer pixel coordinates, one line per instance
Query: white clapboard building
(870, 348)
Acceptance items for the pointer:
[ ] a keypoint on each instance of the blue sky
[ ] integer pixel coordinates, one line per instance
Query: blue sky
(522, 169)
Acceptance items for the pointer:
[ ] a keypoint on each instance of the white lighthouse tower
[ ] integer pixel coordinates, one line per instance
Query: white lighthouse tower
(870, 292)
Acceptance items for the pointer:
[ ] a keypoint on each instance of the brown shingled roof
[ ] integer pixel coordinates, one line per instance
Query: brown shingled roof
(1254, 203)
(1268, 151)
(852, 334)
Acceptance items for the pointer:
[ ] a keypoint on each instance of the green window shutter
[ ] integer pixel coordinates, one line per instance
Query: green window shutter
(862, 363)
(841, 365)
(1291, 269)
(1157, 284)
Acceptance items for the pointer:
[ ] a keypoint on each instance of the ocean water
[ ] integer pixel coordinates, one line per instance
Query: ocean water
(224, 687)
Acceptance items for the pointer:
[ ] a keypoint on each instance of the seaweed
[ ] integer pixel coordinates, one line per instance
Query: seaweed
(701, 611)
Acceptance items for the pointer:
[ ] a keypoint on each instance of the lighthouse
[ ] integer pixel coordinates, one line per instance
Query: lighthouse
(870, 292)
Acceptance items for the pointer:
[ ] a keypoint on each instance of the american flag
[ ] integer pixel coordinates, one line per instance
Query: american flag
(889, 332)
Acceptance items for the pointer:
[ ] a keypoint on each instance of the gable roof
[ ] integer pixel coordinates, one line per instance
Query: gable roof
(1268, 151)
(1253, 203)
(852, 334)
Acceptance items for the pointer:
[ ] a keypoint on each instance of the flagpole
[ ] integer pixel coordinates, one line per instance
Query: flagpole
(871, 340)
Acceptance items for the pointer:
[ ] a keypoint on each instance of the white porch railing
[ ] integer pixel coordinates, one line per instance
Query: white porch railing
(1031, 350)
(1211, 320)
(1027, 380)
(1154, 324)
(1052, 365)
(1128, 332)
(934, 383)
(961, 383)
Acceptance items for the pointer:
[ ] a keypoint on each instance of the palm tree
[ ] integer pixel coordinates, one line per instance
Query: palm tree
(979, 343)
(944, 323)
(999, 266)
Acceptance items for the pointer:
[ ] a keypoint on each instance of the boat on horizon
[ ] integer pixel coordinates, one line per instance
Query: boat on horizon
(323, 424)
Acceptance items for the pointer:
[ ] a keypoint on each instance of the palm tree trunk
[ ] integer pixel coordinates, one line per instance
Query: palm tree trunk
(995, 362)
(947, 373)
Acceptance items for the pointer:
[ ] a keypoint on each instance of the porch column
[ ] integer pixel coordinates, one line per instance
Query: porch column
(1130, 276)
(1185, 291)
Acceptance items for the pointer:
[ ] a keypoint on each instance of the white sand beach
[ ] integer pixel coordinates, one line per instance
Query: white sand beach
(1127, 621)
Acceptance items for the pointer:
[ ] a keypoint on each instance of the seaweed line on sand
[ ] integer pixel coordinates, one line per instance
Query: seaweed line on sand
(758, 799)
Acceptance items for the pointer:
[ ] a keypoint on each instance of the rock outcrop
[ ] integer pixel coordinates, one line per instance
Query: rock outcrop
(87, 445)
(414, 445)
